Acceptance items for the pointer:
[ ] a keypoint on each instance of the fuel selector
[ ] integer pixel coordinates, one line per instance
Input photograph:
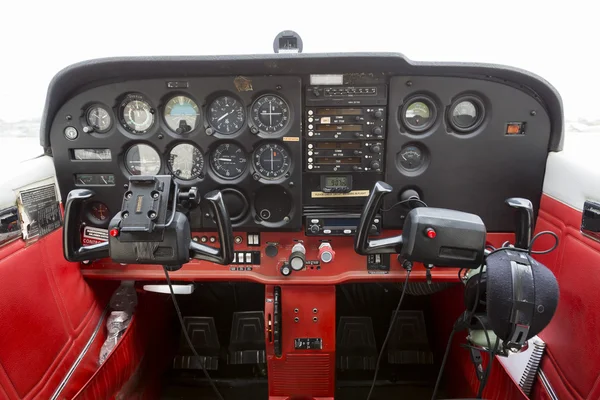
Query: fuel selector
(297, 258)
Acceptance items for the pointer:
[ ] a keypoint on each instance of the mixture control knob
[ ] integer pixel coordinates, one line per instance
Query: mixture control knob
(285, 270)
(314, 229)
(375, 164)
(375, 148)
(378, 113)
(377, 130)
(326, 253)
(298, 257)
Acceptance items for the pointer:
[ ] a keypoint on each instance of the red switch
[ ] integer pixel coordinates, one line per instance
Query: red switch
(430, 232)
(114, 232)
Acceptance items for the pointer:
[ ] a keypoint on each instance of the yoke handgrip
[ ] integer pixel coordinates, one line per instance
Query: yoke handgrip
(224, 254)
(72, 248)
(362, 244)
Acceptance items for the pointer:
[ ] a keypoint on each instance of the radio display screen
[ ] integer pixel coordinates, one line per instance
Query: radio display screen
(337, 145)
(339, 111)
(337, 160)
(336, 181)
(339, 128)
(341, 222)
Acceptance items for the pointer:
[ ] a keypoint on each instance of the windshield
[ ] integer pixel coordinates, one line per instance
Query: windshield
(548, 38)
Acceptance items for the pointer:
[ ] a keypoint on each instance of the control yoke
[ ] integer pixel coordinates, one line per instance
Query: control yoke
(149, 229)
(436, 236)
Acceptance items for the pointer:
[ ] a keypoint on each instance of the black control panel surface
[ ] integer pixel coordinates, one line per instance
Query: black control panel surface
(304, 138)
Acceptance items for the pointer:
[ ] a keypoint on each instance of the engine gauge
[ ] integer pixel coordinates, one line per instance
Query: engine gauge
(226, 115)
(181, 114)
(411, 158)
(98, 118)
(270, 114)
(418, 114)
(135, 113)
(186, 161)
(99, 211)
(271, 161)
(142, 159)
(466, 114)
(228, 160)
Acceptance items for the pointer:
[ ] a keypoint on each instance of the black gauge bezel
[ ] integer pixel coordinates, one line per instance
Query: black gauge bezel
(284, 174)
(209, 124)
(433, 110)
(92, 218)
(89, 109)
(479, 106)
(128, 98)
(419, 169)
(267, 134)
(170, 96)
(160, 159)
(212, 152)
(200, 174)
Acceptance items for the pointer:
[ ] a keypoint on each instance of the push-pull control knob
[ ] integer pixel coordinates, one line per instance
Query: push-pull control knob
(326, 253)
(298, 257)
(285, 269)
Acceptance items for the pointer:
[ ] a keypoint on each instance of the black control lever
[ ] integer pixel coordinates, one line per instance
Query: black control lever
(72, 248)
(362, 244)
(523, 220)
(224, 254)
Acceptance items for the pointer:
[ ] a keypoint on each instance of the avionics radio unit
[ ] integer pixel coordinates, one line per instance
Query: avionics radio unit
(343, 156)
(345, 123)
(337, 224)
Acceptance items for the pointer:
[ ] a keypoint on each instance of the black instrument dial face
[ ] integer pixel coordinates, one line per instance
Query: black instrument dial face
(271, 161)
(142, 159)
(228, 161)
(99, 211)
(136, 114)
(411, 158)
(270, 114)
(226, 115)
(181, 114)
(186, 161)
(98, 118)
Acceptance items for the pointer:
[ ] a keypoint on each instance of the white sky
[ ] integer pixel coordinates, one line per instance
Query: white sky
(558, 40)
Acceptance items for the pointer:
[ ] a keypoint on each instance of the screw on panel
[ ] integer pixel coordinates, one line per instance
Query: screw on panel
(125, 214)
(160, 136)
(296, 319)
(278, 87)
(68, 117)
(286, 219)
(254, 130)
(296, 310)
(408, 83)
(533, 113)
(209, 131)
(315, 319)
(315, 311)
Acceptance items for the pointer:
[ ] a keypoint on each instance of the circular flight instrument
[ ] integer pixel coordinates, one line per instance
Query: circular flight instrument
(186, 161)
(99, 211)
(272, 203)
(99, 118)
(466, 114)
(142, 159)
(135, 114)
(181, 114)
(226, 115)
(418, 114)
(411, 158)
(271, 160)
(270, 114)
(228, 160)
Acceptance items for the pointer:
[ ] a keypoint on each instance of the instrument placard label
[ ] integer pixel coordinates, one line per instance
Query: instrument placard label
(353, 193)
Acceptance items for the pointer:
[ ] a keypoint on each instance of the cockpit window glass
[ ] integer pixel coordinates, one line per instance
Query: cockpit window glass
(551, 39)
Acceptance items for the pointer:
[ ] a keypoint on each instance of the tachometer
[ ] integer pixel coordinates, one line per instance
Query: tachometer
(181, 114)
(228, 160)
(136, 114)
(142, 159)
(98, 118)
(226, 115)
(186, 161)
(271, 161)
(270, 114)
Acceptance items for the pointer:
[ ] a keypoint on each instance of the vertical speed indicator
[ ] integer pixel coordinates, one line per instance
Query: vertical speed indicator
(271, 161)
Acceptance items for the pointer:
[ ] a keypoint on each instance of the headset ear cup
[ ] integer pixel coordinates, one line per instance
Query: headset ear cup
(499, 290)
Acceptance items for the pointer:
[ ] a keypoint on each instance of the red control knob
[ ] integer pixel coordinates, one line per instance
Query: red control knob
(326, 253)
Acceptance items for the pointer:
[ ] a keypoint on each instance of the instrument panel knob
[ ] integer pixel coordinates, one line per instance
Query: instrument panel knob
(297, 258)
(375, 164)
(285, 270)
(314, 228)
(377, 113)
(377, 130)
(375, 149)
(326, 253)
